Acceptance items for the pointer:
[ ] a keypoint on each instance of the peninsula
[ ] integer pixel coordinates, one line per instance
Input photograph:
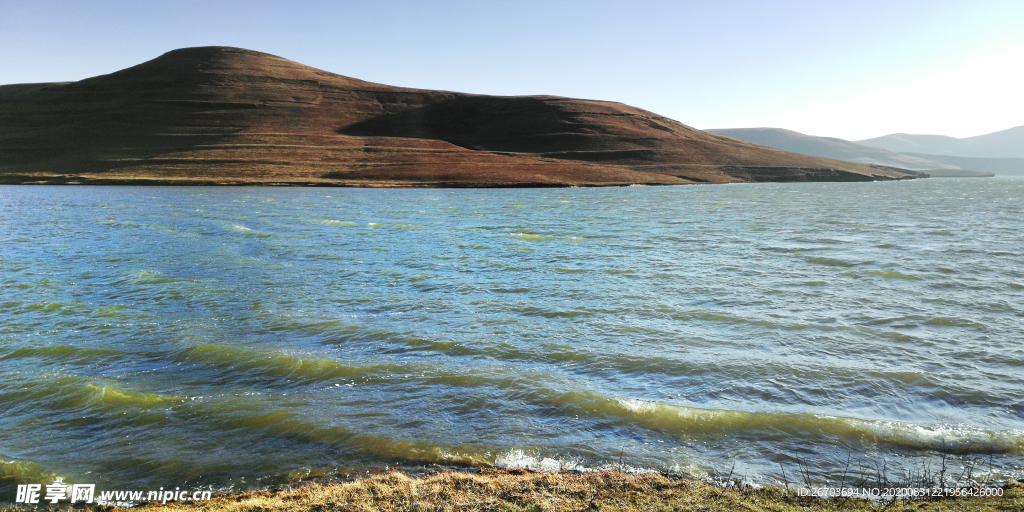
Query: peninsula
(220, 115)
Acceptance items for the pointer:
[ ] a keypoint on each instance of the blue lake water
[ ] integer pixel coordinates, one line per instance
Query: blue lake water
(233, 336)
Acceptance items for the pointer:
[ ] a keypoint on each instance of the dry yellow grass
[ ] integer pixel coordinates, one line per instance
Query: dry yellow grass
(511, 490)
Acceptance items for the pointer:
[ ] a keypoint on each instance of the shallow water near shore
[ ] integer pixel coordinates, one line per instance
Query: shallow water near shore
(156, 336)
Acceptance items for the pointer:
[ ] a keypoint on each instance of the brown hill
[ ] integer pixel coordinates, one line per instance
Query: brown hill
(228, 115)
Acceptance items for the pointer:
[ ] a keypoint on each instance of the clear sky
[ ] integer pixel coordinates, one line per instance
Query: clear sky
(851, 69)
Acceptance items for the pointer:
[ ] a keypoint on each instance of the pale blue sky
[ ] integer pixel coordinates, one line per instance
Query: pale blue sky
(846, 69)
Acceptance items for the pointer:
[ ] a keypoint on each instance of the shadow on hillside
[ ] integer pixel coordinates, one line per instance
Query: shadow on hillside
(522, 125)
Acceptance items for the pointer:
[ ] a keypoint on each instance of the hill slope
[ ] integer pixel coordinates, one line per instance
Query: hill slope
(228, 115)
(1002, 144)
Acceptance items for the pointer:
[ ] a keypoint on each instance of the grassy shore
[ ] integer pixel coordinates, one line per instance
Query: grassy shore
(517, 490)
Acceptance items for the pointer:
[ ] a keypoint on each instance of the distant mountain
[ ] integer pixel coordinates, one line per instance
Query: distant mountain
(830, 147)
(1009, 166)
(839, 149)
(1002, 144)
(219, 115)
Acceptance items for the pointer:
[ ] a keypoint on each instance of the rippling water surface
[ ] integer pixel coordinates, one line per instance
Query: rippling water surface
(231, 336)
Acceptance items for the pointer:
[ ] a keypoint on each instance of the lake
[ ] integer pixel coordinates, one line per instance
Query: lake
(243, 336)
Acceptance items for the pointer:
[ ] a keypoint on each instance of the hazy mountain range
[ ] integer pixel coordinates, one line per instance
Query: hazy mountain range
(219, 115)
(829, 147)
(977, 156)
(1002, 144)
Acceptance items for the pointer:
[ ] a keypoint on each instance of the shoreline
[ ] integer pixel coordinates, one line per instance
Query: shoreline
(65, 180)
(523, 490)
